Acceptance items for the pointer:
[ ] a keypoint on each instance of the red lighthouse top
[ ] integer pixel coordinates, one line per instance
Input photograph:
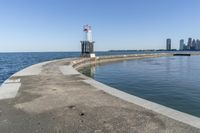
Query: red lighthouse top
(87, 28)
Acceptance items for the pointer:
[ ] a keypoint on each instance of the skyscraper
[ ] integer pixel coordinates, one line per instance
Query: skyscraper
(182, 45)
(193, 47)
(198, 44)
(189, 44)
(168, 44)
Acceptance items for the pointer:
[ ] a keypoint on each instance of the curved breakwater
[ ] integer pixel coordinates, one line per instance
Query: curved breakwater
(55, 94)
(172, 81)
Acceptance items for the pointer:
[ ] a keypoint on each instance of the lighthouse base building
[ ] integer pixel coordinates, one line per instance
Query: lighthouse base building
(87, 49)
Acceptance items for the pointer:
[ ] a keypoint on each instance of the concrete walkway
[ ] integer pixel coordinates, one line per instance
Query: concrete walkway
(55, 98)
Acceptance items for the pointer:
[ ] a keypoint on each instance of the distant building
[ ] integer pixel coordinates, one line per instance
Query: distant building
(168, 44)
(198, 44)
(193, 47)
(189, 44)
(182, 45)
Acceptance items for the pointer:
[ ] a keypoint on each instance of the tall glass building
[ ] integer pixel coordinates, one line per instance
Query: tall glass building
(168, 44)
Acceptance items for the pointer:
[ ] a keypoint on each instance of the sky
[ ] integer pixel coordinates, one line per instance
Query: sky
(56, 25)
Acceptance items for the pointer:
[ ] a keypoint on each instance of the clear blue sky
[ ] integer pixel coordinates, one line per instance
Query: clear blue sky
(56, 25)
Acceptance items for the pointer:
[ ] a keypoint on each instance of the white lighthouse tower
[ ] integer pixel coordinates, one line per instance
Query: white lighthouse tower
(88, 30)
(87, 46)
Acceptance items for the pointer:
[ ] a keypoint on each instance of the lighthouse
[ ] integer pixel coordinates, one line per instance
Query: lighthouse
(87, 45)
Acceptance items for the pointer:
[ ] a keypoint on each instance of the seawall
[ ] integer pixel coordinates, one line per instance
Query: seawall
(172, 113)
(82, 62)
(54, 97)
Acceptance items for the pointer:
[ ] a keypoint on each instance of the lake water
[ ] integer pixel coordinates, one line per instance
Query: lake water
(170, 81)
(10, 63)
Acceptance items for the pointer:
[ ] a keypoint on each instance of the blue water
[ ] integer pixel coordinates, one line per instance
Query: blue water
(10, 63)
(170, 81)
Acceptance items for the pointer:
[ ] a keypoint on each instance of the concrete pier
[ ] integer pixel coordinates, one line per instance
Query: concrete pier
(53, 97)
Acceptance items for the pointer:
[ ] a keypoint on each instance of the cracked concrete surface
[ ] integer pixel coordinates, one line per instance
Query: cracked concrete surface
(53, 102)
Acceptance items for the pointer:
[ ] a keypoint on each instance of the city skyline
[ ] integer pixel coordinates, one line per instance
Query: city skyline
(191, 45)
(41, 25)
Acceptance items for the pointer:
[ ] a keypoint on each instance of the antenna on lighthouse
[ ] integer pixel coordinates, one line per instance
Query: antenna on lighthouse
(87, 45)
